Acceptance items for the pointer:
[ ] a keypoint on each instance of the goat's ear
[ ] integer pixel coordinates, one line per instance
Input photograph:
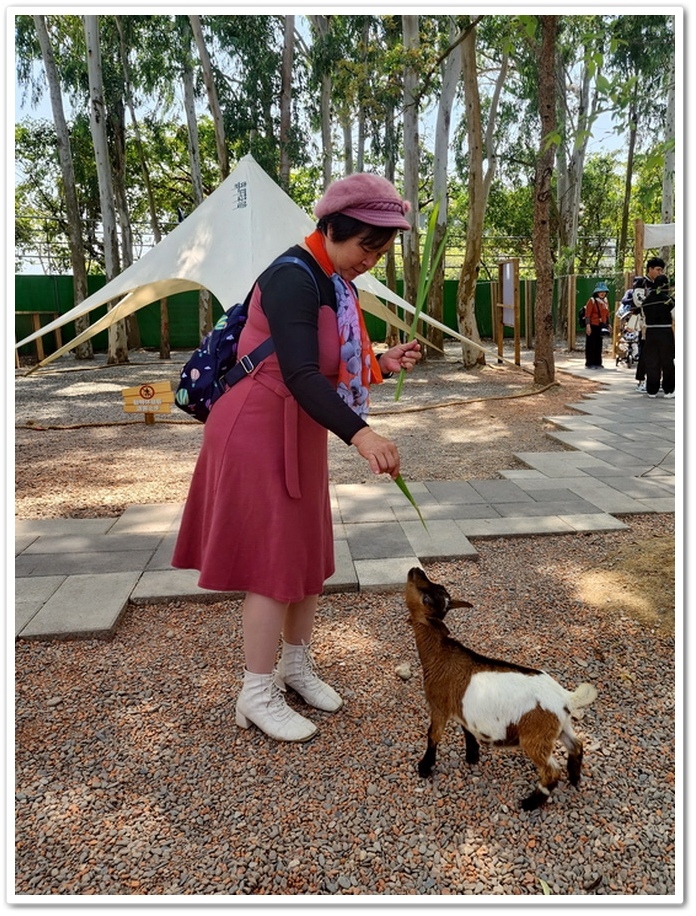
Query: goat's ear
(459, 602)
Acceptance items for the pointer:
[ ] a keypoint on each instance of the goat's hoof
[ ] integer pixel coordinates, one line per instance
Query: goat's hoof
(472, 758)
(424, 772)
(534, 801)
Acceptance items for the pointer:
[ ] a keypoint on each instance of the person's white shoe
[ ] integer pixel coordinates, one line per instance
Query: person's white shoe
(652, 395)
(296, 670)
(640, 386)
(262, 704)
(670, 395)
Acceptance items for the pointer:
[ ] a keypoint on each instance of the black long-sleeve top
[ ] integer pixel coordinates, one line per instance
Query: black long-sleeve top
(289, 301)
(657, 309)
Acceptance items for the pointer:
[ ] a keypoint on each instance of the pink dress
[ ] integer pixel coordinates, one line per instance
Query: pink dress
(258, 515)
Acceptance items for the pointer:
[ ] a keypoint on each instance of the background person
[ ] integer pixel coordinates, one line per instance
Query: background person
(658, 312)
(258, 515)
(596, 320)
(654, 267)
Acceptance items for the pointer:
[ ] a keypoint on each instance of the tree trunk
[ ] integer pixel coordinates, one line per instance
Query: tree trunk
(286, 101)
(205, 311)
(667, 212)
(118, 349)
(211, 91)
(322, 25)
(119, 178)
(165, 345)
(411, 156)
(632, 134)
(466, 291)
(451, 73)
(544, 367)
(72, 207)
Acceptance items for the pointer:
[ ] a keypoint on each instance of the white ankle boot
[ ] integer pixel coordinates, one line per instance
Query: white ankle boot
(262, 703)
(296, 670)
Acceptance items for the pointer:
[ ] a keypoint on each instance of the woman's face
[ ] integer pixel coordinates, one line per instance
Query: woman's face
(351, 258)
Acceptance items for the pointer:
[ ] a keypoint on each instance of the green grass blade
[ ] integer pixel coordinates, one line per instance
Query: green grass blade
(401, 484)
(425, 279)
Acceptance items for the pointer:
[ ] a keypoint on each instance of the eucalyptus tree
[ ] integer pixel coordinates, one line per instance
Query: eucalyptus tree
(286, 101)
(323, 55)
(126, 32)
(74, 220)
(541, 37)
(481, 146)
(580, 56)
(205, 309)
(211, 91)
(411, 152)
(641, 57)
(118, 348)
(450, 63)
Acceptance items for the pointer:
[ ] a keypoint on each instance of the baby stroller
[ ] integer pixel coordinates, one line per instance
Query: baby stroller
(630, 321)
(627, 346)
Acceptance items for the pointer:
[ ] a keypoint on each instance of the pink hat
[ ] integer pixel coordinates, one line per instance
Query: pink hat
(369, 198)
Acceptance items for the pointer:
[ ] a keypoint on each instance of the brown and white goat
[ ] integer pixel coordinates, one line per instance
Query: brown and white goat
(497, 702)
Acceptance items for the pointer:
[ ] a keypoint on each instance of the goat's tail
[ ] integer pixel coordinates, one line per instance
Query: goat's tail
(583, 695)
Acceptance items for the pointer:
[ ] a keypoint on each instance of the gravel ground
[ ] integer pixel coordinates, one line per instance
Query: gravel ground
(79, 455)
(132, 778)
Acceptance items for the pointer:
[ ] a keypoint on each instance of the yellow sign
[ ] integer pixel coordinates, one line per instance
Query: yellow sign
(156, 397)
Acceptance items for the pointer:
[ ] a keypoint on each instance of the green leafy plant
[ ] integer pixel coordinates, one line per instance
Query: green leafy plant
(425, 280)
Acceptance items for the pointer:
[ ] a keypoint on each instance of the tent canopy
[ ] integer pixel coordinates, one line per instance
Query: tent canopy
(658, 235)
(223, 246)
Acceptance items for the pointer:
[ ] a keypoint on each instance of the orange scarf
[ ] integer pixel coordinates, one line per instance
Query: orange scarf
(358, 365)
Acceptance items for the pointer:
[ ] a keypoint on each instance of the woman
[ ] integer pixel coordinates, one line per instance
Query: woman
(596, 320)
(258, 516)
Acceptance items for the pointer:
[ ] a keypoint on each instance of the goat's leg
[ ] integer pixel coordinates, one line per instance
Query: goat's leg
(538, 732)
(472, 747)
(575, 748)
(435, 732)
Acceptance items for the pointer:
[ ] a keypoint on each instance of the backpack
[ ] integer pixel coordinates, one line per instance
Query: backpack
(582, 317)
(215, 366)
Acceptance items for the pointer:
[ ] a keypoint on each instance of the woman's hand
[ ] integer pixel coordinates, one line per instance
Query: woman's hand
(382, 454)
(402, 356)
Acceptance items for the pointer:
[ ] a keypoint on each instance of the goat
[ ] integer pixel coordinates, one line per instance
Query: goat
(496, 702)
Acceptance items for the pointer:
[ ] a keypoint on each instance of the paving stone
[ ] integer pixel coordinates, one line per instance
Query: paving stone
(345, 579)
(372, 541)
(441, 541)
(389, 574)
(63, 526)
(83, 606)
(169, 584)
(150, 518)
(518, 527)
(84, 543)
(74, 564)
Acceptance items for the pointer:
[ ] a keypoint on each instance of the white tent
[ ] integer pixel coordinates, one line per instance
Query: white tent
(658, 235)
(222, 246)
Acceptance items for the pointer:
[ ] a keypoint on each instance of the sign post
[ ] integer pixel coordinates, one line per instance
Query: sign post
(148, 399)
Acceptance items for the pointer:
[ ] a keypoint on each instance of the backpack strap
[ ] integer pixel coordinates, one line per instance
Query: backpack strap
(246, 364)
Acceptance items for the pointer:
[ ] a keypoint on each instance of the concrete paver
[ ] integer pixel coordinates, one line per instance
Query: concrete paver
(75, 577)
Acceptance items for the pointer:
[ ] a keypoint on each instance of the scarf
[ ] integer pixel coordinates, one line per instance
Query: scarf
(358, 366)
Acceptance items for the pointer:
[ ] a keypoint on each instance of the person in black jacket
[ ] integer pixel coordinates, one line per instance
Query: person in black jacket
(659, 348)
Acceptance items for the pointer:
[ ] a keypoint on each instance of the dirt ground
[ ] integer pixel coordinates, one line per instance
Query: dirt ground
(638, 580)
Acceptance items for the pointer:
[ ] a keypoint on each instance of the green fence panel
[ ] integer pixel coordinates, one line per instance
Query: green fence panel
(55, 294)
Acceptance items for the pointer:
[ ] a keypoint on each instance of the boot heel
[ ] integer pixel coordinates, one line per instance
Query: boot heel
(241, 720)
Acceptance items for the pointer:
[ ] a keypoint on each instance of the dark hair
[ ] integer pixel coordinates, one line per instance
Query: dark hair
(346, 227)
(660, 281)
(655, 262)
